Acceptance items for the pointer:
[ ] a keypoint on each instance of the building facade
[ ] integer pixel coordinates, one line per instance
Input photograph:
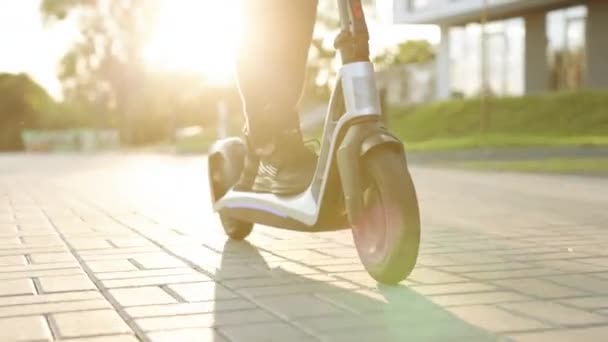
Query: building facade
(530, 46)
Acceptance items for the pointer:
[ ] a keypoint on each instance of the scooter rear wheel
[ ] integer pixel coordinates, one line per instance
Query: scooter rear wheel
(236, 230)
(387, 235)
(224, 174)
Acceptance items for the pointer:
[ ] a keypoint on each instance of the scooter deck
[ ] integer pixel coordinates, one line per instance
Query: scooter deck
(299, 212)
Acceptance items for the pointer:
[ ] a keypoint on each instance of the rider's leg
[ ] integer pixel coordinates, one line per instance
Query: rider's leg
(271, 64)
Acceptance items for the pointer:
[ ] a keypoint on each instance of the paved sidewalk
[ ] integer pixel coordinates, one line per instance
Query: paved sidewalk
(119, 248)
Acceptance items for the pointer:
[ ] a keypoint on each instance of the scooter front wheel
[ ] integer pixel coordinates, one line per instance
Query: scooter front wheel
(387, 233)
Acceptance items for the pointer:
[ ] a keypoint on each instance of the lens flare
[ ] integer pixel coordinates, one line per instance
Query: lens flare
(195, 36)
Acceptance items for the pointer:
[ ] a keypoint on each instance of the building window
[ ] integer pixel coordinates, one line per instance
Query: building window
(505, 58)
(505, 65)
(464, 60)
(566, 30)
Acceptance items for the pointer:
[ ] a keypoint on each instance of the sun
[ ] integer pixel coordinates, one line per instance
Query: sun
(195, 36)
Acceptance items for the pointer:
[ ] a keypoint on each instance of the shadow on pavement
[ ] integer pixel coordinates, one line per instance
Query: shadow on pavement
(321, 307)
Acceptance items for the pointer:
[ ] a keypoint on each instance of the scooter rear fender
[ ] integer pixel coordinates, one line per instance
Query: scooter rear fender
(229, 151)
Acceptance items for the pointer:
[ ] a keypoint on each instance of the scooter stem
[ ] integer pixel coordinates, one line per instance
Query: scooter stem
(353, 39)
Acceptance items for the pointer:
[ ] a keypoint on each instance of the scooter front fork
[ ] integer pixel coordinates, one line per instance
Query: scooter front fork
(360, 138)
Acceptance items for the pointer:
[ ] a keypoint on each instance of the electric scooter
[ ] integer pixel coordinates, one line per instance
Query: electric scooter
(361, 181)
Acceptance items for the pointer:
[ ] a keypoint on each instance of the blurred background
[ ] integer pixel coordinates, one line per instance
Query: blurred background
(93, 75)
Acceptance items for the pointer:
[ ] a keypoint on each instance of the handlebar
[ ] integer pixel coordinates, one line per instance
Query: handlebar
(353, 38)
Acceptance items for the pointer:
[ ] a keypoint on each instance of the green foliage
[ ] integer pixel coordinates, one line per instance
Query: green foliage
(58, 9)
(408, 52)
(26, 105)
(319, 64)
(320, 69)
(23, 104)
(104, 74)
(107, 58)
(552, 165)
(104, 71)
(104, 77)
(560, 118)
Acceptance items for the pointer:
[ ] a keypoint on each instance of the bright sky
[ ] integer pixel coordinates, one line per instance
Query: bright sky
(28, 46)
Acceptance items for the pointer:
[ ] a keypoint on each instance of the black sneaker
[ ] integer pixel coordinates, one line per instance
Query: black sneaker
(250, 170)
(285, 167)
(288, 171)
(249, 174)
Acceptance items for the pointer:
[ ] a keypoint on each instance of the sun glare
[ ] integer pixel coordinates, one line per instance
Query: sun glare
(196, 36)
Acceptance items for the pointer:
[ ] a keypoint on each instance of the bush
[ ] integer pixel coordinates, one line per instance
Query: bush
(22, 103)
(512, 120)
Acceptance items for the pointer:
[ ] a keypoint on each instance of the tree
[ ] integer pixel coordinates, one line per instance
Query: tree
(408, 52)
(23, 104)
(105, 67)
(319, 72)
(320, 69)
(322, 66)
(105, 70)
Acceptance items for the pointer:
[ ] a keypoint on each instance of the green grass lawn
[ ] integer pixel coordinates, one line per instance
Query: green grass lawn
(559, 119)
(570, 165)
(500, 141)
(564, 119)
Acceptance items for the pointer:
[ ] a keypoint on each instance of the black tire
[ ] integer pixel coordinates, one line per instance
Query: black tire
(225, 175)
(236, 230)
(387, 235)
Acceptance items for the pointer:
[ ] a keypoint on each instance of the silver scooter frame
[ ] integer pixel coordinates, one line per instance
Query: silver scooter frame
(353, 126)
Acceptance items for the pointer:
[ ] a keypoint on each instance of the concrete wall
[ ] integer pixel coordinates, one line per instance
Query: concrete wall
(536, 79)
(443, 83)
(461, 11)
(597, 44)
